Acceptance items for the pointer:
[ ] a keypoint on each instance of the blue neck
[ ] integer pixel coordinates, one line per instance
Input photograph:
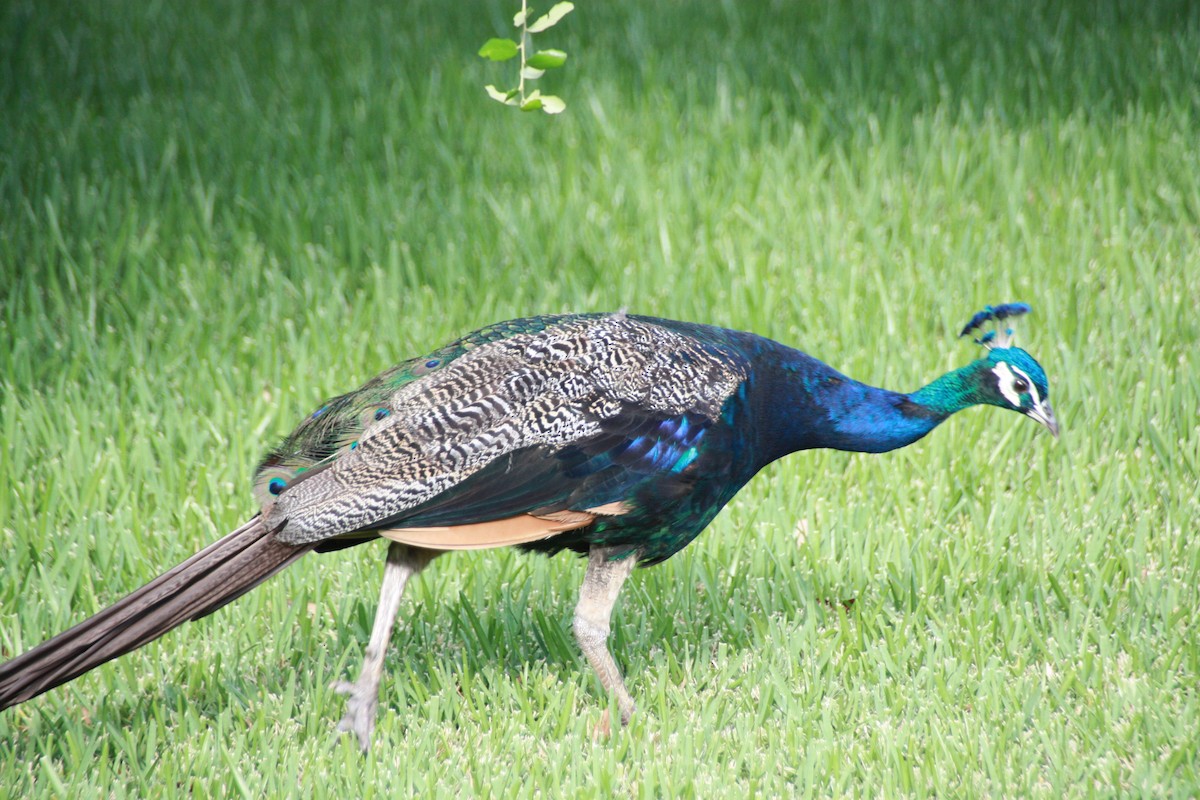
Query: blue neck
(867, 419)
(806, 404)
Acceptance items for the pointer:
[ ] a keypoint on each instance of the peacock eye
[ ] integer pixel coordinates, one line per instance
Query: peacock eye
(1020, 386)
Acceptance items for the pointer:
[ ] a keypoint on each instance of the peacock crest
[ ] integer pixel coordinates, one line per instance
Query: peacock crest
(999, 337)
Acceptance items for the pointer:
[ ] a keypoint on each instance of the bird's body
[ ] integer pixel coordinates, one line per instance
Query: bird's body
(537, 417)
(617, 436)
(658, 421)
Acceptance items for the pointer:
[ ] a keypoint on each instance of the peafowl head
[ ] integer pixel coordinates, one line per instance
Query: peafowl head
(1009, 377)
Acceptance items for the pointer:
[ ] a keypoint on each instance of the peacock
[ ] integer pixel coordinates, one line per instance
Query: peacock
(614, 436)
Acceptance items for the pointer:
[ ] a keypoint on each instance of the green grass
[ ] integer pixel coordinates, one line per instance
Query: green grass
(212, 215)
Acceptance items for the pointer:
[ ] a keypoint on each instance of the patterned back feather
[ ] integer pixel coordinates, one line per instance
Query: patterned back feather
(340, 422)
(429, 424)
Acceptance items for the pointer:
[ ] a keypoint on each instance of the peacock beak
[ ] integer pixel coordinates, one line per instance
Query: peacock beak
(1044, 414)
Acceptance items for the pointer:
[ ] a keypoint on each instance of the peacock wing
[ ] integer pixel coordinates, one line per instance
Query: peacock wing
(548, 422)
(336, 427)
(536, 492)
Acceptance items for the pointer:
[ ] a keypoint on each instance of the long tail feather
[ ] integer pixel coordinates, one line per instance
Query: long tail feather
(218, 574)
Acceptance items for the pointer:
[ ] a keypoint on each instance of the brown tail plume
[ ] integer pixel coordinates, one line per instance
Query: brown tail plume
(218, 574)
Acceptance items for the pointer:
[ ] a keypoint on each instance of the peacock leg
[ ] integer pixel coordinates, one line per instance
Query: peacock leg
(601, 585)
(402, 563)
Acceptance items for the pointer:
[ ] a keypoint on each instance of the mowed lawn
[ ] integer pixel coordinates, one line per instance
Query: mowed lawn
(214, 215)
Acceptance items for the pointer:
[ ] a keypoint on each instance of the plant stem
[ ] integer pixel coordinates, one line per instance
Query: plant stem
(521, 48)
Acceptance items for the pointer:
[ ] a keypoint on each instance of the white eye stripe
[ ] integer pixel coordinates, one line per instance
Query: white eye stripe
(1033, 392)
(1005, 379)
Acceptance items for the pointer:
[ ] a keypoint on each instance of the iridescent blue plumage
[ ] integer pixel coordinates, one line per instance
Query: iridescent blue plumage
(667, 464)
(672, 473)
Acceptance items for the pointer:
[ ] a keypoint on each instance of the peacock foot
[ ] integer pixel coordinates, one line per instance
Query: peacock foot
(361, 706)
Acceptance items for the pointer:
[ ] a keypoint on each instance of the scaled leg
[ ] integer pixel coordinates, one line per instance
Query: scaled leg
(601, 586)
(402, 563)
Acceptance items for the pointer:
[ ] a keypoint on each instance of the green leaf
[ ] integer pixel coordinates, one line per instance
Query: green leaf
(520, 17)
(533, 102)
(551, 17)
(498, 49)
(552, 104)
(508, 98)
(547, 59)
(531, 74)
